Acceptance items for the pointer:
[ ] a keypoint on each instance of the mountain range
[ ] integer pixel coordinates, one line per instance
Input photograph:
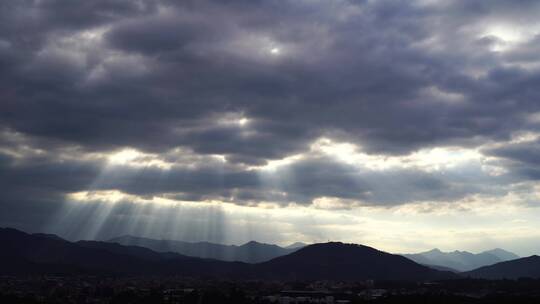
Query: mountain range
(251, 252)
(528, 267)
(461, 260)
(255, 252)
(338, 261)
(24, 253)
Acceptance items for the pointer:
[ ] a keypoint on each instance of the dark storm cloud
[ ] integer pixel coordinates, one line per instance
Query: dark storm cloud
(321, 176)
(521, 158)
(527, 153)
(390, 76)
(359, 76)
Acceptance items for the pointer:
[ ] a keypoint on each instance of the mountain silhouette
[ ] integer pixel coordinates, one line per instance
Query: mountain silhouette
(251, 252)
(35, 254)
(339, 261)
(42, 253)
(24, 253)
(528, 267)
(48, 235)
(133, 251)
(461, 260)
(503, 255)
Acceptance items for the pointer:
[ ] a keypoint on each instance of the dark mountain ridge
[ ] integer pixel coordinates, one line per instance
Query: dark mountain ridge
(528, 267)
(461, 260)
(251, 252)
(36, 254)
(336, 260)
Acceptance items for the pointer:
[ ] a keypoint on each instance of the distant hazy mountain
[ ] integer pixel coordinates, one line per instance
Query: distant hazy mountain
(338, 261)
(24, 253)
(296, 245)
(461, 260)
(502, 254)
(251, 252)
(521, 268)
(28, 254)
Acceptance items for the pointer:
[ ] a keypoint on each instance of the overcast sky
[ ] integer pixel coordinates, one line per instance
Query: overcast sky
(404, 125)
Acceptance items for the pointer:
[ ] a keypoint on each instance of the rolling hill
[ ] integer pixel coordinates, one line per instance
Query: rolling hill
(528, 267)
(251, 252)
(339, 261)
(24, 253)
(461, 260)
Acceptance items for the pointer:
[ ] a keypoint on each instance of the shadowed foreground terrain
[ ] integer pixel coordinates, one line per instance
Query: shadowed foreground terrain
(41, 268)
(251, 252)
(37, 254)
(106, 289)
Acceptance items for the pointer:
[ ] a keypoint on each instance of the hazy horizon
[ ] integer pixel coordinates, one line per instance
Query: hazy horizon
(283, 245)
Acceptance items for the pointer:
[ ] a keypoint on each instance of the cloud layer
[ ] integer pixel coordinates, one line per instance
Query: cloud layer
(335, 103)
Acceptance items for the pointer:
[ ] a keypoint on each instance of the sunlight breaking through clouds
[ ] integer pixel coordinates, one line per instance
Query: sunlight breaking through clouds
(362, 121)
(510, 35)
(308, 224)
(134, 158)
(433, 159)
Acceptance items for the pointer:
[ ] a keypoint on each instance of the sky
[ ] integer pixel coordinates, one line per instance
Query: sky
(403, 125)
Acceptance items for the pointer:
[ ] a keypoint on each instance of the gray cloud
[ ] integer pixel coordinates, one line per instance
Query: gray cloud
(521, 158)
(360, 76)
(391, 77)
(302, 182)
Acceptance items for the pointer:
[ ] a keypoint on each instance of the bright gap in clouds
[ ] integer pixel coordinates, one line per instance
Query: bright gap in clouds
(98, 212)
(431, 159)
(134, 158)
(510, 35)
(275, 51)
(406, 229)
(124, 156)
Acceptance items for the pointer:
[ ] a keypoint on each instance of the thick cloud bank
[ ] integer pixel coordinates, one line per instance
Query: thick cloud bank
(348, 103)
